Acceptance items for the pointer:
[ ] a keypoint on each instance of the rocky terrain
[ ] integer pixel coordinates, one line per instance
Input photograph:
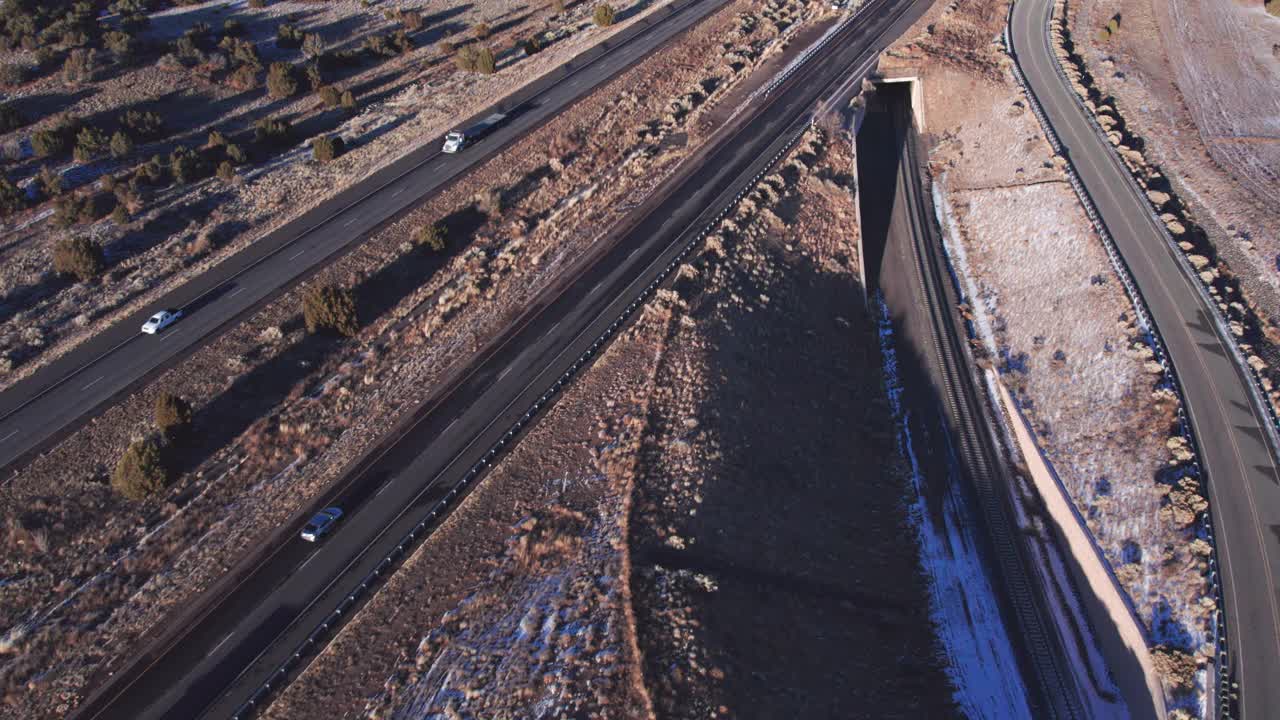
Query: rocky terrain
(629, 524)
(281, 412)
(1156, 76)
(174, 230)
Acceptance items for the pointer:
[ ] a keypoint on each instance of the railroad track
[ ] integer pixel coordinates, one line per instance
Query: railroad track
(973, 435)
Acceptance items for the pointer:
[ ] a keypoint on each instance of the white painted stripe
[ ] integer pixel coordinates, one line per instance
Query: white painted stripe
(298, 254)
(95, 382)
(6, 437)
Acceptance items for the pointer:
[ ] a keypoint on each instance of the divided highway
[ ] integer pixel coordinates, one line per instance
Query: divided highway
(1235, 447)
(241, 642)
(61, 396)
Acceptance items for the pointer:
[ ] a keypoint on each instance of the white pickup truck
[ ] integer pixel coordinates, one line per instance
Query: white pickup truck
(458, 139)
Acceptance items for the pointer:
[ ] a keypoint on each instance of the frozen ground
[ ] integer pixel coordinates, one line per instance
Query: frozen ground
(1199, 82)
(962, 601)
(1055, 321)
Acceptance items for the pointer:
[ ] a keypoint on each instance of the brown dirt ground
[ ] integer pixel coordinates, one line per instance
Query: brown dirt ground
(281, 413)
(519, 598)
(774, 575)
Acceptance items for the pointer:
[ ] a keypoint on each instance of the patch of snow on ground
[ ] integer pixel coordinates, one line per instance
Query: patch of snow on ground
(964, 609)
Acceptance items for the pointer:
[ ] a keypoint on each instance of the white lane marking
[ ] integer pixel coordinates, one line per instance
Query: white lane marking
(6, 437)
(348, 223)
(596, 289)
(224, 642)
(236, 292)
(504, 372)
(314, 555)
(553, 327)
(455, 422)
(86, 387)
(633, 252)
(166, 336)
(397, 192)
(296, 255)
(384, 488)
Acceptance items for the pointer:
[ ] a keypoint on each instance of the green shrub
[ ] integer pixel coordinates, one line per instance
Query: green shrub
(12, 199)
(216, 139)
(330, 96)
(257, 4)
(272, 132)
(153, 171)
(557, 6)
(348, 102)
(281, 82)
(121, 145)
(532, 46)
(328, 307)
(474, 59)
(232, 27)
(226, 171)
(50, 181)
(78, 256)
(603, 15)
(243, 78)
(80, 66)
(236, 154)
(481, 31)
(141, 471)
(431, 236)
(172, 415)
(90, 142)
(13, 74)
(120, 214)
(410, 20)
(1273, 7)
(289, 37)
(48, 143)
(186, 165)
(446, 47)
(313, 45)
(143, 124)
(10, 118)
(67, 210)
(121, 44)
(315, 78)
(326, 147)
(242, 52)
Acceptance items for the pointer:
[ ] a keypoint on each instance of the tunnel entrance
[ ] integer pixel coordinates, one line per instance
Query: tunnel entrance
(879, 156)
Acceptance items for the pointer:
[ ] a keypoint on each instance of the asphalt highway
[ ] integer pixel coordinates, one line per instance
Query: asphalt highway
(243, 640)
(1238, 459)
(55, 400)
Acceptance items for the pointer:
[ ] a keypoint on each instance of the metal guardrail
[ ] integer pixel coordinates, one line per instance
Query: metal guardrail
(316, 640)
(1152, 336)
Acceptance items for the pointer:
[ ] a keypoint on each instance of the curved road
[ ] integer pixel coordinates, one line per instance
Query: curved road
(1238, 460)
(58, 398)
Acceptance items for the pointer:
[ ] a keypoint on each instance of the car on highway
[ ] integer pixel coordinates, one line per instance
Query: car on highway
(160, 321)
(321, 524)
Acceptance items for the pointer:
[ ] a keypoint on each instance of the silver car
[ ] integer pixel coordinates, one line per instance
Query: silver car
(321, 524)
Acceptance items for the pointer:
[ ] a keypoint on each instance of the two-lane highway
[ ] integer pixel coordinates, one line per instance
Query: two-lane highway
(243, 641)
(59, 397)
(1239, 461)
